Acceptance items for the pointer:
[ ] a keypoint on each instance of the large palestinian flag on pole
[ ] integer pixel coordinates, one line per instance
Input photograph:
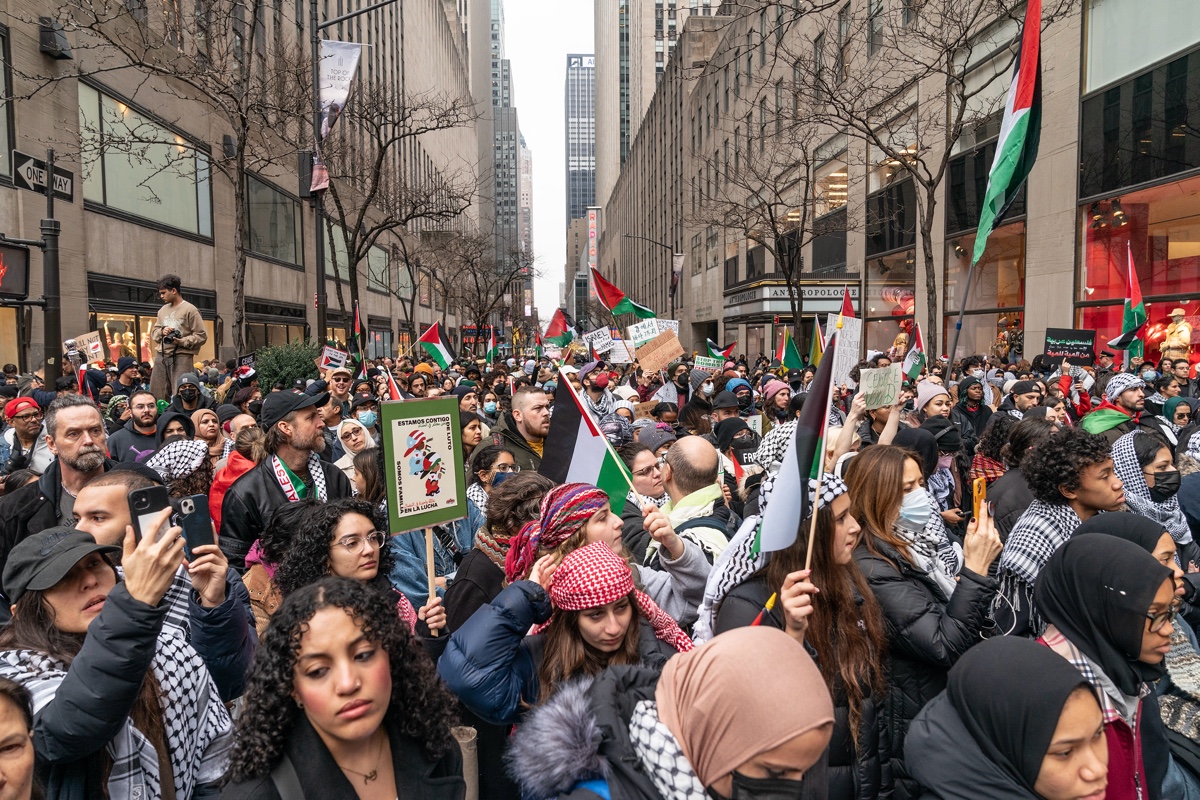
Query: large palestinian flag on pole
(576, 451)
(560, 332)
(434, 343)
(493, 352)
(1133, 321)
(615, 300)
(1020, 130)
(788, 503)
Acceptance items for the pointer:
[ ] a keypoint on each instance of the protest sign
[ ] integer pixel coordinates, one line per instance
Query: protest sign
(660, 351)
(423, 454)
(642, 332)
(755, 423)
(552, 352)
(332, 357)
(1077, 347)
(642, 410)
(881, 387)
(90, 346)
(599, 340)
(246, 361)
(849, 342)
(667, 325)
(620, 352)
(709, 364)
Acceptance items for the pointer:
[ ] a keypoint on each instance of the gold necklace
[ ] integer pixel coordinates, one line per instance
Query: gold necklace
(373, 774)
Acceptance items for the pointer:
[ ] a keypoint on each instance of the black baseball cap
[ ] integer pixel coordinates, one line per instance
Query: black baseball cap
(278, 405)
(43, 559)
(362, 400)
(725, 399)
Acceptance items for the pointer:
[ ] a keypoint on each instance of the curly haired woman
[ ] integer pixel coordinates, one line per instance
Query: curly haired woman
(343, 703)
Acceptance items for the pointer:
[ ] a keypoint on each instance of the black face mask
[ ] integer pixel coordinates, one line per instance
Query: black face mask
(1166, 485)
(745, 400)
(188, 395)
(761, 789)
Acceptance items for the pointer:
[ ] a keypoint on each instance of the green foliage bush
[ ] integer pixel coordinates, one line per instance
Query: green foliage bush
(285, 363)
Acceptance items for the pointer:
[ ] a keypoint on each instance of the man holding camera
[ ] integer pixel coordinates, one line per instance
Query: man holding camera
(178, 334)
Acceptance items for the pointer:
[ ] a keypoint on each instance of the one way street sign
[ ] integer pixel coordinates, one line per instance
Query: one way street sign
(30, 173)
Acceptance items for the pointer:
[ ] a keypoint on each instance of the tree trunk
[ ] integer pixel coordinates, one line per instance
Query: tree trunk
(239, 249)
(932, 329)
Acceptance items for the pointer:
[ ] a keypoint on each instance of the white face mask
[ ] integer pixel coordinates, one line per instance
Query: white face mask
(707, 389)
(977, 374)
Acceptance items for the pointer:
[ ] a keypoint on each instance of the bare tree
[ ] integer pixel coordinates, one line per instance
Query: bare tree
(215, 54)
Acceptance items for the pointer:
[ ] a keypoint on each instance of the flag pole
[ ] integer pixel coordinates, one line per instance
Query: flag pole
(962, 309)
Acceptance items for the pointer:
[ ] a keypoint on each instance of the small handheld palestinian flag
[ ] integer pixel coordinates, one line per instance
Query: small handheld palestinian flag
(847, 306)
(715, 351)
(914, 360)
(787, 354)
(493, 352)
(434, 343)
(803, 461)
(575, 451)
(818, 344)
(615, 300)
(393, 389)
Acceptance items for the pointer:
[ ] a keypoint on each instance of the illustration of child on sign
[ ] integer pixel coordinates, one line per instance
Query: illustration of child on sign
(433, 475)
(416, 452)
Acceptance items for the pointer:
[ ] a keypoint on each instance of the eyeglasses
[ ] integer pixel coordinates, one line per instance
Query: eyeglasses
(508, 468)
(32, 415)
(375, 540)
(647, 471)
(1159, 621)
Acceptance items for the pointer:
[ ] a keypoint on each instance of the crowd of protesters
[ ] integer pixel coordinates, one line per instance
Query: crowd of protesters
(576, 645)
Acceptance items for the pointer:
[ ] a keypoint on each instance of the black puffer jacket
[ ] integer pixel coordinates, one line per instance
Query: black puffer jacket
(926, 635)
(254, 497)
(855, 773)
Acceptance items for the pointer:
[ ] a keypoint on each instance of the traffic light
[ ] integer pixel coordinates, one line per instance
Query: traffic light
(14, 272)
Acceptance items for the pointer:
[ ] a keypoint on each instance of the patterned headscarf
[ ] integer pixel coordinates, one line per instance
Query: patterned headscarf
(565, 510)
(110, 410)
(179, 458)
(1137, 493)
(1120, 383)
(595, 576)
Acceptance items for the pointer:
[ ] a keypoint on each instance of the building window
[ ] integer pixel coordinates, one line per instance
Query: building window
(379, 277)
(892, 218)
(6, 107)
(908, 12)
(997, 292)
(134, 165)
(1160, 227)
(273, 229)
(967, 183)
(888, 306)
(123, 311)
(1123, 38)
(778, 107)
(829, 243)
(830, 186)
(756, 262)
(1141, 130)
(843, 42)
(819, 66)
(731, 271)
(874, 26)
(379, 342)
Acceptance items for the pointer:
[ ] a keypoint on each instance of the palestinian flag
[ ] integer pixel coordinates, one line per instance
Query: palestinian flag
(559, 332)
(787, 354)
(537, 343)
(914, 360)
(393, 389)
(575, 450)
(434, 343)
(847, 306)
(615, 300)
(1133, 321)
(1020, 130)
(818, 344)
(715, 351)
(788, 503)
(493, 352)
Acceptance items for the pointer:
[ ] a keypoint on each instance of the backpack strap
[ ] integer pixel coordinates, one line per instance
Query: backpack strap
(286, 781)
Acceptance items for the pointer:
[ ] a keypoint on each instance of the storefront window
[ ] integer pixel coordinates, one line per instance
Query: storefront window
(1124, 37)
(997, 289)
(129, 335)
(379, 343)
(274, 225)
(756, 341)
(891, 336)
(134, 165)
(263, 334)
(1000, 335)
(1160, 228)
(890, 299)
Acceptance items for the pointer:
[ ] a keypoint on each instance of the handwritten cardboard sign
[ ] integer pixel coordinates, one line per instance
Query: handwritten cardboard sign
(881, 387)
(642, 410)
(659, 352)
(600, 339)
(849, 342)
(90, 346)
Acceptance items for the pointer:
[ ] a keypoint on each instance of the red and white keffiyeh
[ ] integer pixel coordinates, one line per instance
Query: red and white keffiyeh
(595, 576)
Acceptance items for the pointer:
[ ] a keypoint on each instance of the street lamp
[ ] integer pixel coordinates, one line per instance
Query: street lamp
(675, 258)
(317, 199)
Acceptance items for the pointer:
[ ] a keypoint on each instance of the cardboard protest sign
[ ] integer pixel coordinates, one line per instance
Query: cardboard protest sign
(599, 340)
(422, 449)
(881, 387)
(620, 352)
(849, 342)
(642, 410)
(90, 346)
(642, 332)
(660, 351)
(1077, 347)
(332, 357)
(709, 364)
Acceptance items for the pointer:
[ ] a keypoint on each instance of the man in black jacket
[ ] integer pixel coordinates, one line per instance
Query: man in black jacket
(137, 440)
(292, 471)
(75, 434)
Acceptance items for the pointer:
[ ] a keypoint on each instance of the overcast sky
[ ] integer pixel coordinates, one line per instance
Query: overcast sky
(538, 36)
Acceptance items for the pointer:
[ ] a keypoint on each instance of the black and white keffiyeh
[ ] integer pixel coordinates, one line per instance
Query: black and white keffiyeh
(479, 496)
(1137, 494)
(1120, 383)
(769, 454)
(941, 487)
(1192, 445)
(178, 459)
(933, 552)
(641, 501)
(1041, 530)
(198, 729)
(661, 756)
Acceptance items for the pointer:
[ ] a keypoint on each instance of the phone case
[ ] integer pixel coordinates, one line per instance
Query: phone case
(979, 489)
(144, 504)
(194, 519)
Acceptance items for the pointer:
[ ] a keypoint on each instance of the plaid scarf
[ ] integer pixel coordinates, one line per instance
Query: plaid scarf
(479, 496)
(1114, 705)
(1041, 530)
(197, 727)
(987, 468)
(314, 471)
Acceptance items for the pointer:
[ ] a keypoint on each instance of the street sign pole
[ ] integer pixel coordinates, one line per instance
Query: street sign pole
(51, 292)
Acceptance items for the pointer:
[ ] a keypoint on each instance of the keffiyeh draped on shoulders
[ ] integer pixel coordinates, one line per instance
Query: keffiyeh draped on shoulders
(1137, 493)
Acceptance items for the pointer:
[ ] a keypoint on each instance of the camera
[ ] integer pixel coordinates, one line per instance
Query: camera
(170, 338)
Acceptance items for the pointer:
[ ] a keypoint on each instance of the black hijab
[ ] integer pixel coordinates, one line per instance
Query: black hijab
(1009, 693)
(1142, 531)
(921, 442)
(1097, 590)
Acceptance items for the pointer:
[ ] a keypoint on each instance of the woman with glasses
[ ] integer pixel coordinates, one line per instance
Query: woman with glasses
(1110, 608)
(342, 538)
(489, 467)
(1175, 415)
(648, 489)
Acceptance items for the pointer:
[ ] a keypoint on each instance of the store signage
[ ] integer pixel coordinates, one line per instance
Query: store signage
(14, 272)
(31, 173)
